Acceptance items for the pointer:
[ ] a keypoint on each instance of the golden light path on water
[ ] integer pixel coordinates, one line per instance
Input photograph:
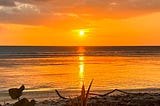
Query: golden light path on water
(81, 69)
(81, 59)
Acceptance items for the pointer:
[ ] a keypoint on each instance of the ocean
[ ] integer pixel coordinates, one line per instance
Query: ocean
(42, 69)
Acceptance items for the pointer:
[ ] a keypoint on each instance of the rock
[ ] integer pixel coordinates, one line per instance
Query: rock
(24, 102)
(15, 93)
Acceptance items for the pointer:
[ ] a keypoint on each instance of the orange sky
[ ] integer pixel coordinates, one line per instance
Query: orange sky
(57, 22)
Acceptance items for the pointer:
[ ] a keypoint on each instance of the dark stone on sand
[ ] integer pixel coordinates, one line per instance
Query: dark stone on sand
(15, 93)
(24, 102)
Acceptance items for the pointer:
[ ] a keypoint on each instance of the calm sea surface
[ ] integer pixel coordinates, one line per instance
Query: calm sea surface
(43, 69)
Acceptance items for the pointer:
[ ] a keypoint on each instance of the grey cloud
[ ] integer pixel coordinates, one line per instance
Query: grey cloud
(20, 14)
(7, 3)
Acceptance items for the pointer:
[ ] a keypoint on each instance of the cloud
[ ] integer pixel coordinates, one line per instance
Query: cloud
(119, 8)
(20, 13)
(7, 3)
(39, 11)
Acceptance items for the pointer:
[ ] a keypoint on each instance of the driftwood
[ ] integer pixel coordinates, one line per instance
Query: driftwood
(114, 91)
(106, 94)
(60, 95)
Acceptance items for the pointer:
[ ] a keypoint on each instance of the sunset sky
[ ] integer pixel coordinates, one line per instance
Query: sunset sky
(80, 22)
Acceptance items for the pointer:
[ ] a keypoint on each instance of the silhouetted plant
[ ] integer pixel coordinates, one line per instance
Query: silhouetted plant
(83, 98)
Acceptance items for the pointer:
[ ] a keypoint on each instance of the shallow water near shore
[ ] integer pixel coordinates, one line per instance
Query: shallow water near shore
(43, 69)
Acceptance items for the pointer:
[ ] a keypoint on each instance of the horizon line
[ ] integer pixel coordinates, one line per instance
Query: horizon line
(79, 46)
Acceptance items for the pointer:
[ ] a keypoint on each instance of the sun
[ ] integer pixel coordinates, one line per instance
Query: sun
(81, 33)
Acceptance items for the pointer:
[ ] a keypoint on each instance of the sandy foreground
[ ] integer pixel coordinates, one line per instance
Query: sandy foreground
(123, 100)
(114, 98)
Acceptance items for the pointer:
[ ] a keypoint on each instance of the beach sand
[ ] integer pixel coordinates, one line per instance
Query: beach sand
(115, 98)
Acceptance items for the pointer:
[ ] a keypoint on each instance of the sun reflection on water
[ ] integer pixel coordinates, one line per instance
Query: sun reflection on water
(81, 51)
(81, 69)
(81, 60)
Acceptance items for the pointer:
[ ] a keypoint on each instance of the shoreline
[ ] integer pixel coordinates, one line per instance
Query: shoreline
(152, 93)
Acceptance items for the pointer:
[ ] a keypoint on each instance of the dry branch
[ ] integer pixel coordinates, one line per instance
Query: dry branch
(60, 95)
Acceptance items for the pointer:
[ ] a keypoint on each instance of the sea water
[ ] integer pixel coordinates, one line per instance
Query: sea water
(43, 69)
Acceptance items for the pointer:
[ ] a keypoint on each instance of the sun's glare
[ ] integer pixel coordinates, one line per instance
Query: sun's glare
(81, 33)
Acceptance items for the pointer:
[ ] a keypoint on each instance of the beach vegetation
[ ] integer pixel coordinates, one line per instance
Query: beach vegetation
(83, 98)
